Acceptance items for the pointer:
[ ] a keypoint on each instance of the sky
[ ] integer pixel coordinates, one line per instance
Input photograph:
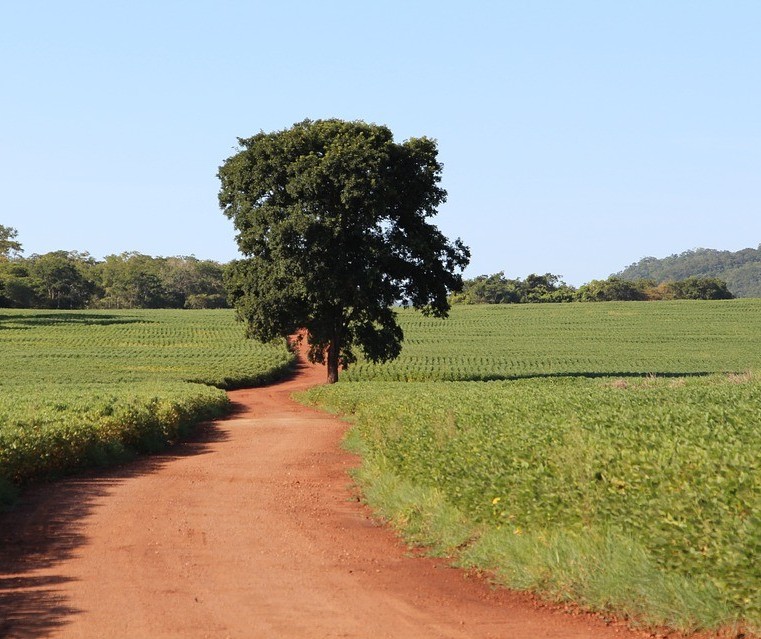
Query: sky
(577, 136)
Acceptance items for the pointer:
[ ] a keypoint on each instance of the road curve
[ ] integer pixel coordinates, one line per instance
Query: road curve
(250, 530)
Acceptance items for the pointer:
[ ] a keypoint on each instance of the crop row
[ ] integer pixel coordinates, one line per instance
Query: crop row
(511, 341)
(59, 429)
(672, 464)
(88, 387)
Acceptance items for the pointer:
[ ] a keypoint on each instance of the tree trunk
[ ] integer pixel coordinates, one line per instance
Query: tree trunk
(333, 350)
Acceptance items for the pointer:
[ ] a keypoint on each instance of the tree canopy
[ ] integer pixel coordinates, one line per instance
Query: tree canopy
(741, 270)
(497, 289)
(333, 222)
(9, 247)
(71, 280)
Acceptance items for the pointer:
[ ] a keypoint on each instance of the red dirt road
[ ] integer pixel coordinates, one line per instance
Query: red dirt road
(248, 531)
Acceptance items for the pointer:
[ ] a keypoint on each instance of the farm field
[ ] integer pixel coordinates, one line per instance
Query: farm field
(611, 458)
(89, 387)
(488, 342)
(613, 462)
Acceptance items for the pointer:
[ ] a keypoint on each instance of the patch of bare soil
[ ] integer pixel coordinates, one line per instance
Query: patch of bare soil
(250, 530)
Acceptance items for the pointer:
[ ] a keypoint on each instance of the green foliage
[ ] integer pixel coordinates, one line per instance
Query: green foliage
(66, 428)
(61, 279)
(9, 246)
(744, 280)
(489, 342)
(16, 286)
(134, 280)
(620, 436)
(71, 280)
(131, 280)
(497, 289)
(602, 570)
(700, 288)
(614, 289)
(81, 388)
(195, 283)
(741, 270)
(332, 219)
(672, 463)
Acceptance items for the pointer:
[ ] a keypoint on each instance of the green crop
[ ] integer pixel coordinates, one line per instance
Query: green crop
(627, 425)
(674, 464)
(79, 388)
(489, 342)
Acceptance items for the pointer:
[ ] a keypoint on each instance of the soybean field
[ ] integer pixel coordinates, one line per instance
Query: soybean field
(90, 387)
(613, 460)
(487, 342)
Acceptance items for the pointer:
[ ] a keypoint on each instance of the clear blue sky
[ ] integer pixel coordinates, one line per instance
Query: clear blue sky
(577, 136)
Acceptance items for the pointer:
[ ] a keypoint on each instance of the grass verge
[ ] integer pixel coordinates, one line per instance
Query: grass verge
(601, 571)
(597, 564)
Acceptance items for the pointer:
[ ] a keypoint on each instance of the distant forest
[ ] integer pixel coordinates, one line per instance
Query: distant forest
(69, 279)
(741, 270)
(537, 289)
(73, 280)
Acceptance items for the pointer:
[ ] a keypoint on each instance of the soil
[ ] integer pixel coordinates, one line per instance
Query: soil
(252, 529)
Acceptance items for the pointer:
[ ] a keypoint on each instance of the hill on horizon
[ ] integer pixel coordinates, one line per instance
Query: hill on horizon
(741, 270)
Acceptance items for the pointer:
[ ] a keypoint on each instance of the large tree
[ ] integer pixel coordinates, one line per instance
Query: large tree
(333, 220)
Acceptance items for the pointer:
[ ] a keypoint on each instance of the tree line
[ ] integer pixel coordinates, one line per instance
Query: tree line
(498, 289)
(74, 280)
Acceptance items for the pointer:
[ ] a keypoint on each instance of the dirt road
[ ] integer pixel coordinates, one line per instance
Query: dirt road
(248, 531)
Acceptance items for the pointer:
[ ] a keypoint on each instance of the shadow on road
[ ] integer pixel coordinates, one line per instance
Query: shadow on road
(46, 528)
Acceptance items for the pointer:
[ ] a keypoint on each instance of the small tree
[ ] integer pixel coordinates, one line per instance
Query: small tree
(489, 289)
(701, 288)
(332, 217)
(614, 289)
(16, 286)
(9, 247)
(547, 288)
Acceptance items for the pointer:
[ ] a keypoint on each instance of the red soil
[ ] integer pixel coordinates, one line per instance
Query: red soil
(250, 530)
